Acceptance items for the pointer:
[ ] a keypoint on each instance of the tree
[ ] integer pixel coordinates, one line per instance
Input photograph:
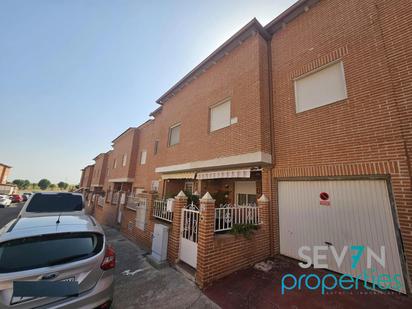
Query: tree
(44, 184)
(26, 184)
(52, 186)
(19, 183)
(63, 185)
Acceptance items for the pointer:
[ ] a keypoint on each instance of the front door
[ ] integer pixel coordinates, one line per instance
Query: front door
(189, 235)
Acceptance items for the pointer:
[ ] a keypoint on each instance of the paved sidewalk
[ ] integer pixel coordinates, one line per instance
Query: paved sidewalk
(146, 286)
(252, 288)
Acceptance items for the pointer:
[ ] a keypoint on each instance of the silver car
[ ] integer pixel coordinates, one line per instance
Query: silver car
(59, 261)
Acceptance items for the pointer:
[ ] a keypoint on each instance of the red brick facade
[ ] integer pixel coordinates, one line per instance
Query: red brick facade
(367, 134)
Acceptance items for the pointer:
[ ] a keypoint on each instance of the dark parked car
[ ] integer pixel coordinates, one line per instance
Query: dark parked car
(25, 196)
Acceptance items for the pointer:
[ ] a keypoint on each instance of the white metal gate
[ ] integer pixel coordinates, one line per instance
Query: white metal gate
(189, 235)
(339, 213)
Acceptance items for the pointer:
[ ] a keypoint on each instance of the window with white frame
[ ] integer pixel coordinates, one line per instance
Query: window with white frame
(321, 87)
(155, 185)
(245, 193)
(115, 163)
(174, 135)
(143, 156)
(220, 116)
(124, 160)
(188, 187)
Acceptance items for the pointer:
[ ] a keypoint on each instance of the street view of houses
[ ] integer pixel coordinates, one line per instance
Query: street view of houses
(276, 172)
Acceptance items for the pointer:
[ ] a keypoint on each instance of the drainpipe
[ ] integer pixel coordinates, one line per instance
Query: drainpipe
(272, 148)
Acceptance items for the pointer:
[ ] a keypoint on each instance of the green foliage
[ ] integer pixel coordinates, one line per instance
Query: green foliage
(21, 184)
(44, 184)
(52, 186)
(63, 185)
(26, 184)
(18, 183)
(192, 198)
(244, 229)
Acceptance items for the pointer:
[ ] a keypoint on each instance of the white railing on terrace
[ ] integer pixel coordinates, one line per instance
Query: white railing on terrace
(228, 215)
(134, 201)
(100, 201)
(160, 210)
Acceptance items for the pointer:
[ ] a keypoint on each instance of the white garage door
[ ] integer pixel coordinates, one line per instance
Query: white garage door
(357, 212)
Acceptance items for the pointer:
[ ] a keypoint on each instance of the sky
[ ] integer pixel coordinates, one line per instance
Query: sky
(74, 74)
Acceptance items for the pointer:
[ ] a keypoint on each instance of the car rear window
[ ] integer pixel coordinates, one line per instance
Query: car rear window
(55, 203)
(48, 250)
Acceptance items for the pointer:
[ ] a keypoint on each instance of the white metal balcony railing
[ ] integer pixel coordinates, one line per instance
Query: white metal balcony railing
(160, 211)
(132, 202)
(228, 215)
(100, 201)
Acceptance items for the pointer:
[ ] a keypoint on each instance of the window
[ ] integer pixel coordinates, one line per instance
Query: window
(143, 155)
(246, 199)
(321, 87)
(220, 116)
(60, 202)
(156, 147)
(18, 254)
(155, 186)
(174, 135)
(114, 163)
(188, 187)
(124, 161)
(245, 192)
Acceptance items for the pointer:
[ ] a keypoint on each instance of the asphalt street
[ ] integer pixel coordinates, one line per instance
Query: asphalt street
(9, 213)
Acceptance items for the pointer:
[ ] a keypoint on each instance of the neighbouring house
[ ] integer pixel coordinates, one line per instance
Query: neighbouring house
(86, 178)
(6, 188)
(302, 127)
(99, 172)
(4, 173)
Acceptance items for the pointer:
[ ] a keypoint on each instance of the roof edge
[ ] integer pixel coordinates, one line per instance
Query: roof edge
(253, 25)
(289, 14)
(124, 132)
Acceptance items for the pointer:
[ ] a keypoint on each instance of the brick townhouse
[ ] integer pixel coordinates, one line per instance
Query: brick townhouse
(86, 177)
(309, 118)
(6, 188)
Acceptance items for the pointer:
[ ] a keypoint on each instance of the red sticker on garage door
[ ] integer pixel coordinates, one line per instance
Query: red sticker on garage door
(324, 199)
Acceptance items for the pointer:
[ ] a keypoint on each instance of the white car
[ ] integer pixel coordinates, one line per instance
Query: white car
(5, 201)
(53, 203)
(55, 262)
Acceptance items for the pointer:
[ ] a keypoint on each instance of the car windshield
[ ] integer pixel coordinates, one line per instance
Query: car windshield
(48, 250)
(55, 203)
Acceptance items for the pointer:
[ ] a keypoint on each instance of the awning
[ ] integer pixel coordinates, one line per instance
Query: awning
(243, 173)
(179, 176)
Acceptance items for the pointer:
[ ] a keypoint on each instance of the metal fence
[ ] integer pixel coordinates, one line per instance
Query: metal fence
(132, 202)
(228, 215)
(160, 211)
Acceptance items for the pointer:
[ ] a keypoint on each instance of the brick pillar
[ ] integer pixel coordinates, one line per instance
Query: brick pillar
(263, 204)
(150, 198)
(267, 190)
(206, 238)
(174, 234)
